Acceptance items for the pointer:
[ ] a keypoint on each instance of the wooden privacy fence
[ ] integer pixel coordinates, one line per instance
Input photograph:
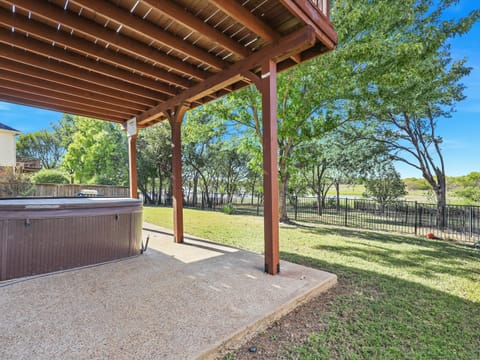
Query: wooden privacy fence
(69, 190)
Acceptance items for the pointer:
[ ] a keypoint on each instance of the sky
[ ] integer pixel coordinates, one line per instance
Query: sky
(461, 132)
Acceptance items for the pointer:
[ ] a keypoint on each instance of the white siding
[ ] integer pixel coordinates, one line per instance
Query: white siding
(7, 149)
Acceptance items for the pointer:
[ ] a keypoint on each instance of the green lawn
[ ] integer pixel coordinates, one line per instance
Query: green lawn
(402, 297)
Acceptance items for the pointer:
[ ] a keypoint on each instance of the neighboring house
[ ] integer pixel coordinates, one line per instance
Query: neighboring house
(8, 149)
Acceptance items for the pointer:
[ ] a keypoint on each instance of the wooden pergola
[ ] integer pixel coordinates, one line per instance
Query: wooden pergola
(152, 60)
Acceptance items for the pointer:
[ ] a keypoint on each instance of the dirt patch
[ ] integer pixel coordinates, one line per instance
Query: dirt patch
(293, 329)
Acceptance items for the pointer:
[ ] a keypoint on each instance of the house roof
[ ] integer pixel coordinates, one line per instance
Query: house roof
(119, 59)
(8, 128)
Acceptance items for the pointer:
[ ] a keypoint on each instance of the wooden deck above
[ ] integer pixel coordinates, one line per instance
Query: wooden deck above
(119, 59)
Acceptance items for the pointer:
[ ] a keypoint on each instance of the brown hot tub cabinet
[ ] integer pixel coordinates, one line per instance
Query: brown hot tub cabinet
(43, 235)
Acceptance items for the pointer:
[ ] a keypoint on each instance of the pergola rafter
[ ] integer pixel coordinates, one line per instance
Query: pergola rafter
(144, 61)
(89, 49)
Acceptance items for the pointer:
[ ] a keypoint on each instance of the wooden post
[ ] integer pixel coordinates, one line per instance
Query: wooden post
(175, 119)
(268, 89)
(132, 165)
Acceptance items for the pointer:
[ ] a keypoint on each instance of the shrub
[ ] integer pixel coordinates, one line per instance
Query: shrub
(50, 176)
(16, 184)
(228, 209)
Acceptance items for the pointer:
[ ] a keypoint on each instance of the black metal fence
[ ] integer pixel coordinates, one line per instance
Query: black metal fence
(460, 222)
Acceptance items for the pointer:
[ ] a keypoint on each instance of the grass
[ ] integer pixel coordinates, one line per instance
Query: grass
(402, 297)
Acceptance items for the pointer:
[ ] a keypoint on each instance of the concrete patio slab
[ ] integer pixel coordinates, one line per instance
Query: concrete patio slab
(177, 301)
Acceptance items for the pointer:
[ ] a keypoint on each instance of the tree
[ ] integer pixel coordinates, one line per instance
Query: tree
(404, 78)
(337, 156)
(203, 134)
(98, 152)
(154, 161)
(43, 145)
(302, 115)
(384, 184)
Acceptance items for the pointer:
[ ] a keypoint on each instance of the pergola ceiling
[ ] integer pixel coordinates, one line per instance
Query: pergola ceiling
(118, 59)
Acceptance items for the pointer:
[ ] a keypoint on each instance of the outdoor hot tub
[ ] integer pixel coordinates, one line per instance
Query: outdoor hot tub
(43, 235)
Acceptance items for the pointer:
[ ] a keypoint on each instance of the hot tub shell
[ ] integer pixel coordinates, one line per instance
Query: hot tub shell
(44, 235)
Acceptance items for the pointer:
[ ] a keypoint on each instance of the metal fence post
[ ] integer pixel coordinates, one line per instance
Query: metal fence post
(416, 218)
(471, 221)
(346, 211)
(296, 207)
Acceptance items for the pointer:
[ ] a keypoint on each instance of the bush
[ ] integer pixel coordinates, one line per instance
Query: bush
(228, 209)
(50, 176)
(469, 193)
(16, 184)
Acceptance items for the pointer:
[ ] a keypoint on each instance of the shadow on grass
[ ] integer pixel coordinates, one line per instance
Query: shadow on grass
(441, 247)
(380, 316)
(425, 257)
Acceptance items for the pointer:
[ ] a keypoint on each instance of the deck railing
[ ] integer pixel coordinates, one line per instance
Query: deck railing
(323, 5)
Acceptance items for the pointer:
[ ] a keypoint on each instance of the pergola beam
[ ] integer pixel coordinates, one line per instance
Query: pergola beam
(249, 20)
(193, 23)
(246, 18)
(116, 78)
(40, 78)
(48, 105)
(37, 87)
(14, 89)
(152, 32)
(87, 48)
(301, 39)
(92, 29)
(95, 82)
(156, 90)
(313, 16)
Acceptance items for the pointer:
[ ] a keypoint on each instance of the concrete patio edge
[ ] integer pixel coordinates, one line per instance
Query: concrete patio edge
(236, 339)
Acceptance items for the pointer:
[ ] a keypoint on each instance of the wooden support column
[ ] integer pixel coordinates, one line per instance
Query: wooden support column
(268, 88)
(175, 118)
(132, 165)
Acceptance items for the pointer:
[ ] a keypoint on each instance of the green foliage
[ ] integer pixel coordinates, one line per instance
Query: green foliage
(50, 176)
(98, 152)
(43, 145)
(385, 185)
(228, 209)
(470, 193)
(470, 186)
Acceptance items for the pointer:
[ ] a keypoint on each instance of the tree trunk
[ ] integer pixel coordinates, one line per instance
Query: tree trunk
(253, 190)
(160, 188)
(153, 190)
(146, 197)
(319, 203)
(441, 194)
(195, 189)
